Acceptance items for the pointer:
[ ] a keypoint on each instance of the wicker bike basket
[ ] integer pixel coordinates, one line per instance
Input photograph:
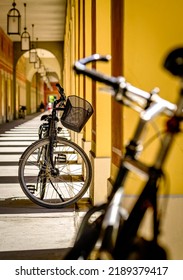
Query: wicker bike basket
(76, 113)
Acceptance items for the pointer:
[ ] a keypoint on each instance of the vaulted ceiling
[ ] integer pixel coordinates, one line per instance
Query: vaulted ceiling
(48, 17)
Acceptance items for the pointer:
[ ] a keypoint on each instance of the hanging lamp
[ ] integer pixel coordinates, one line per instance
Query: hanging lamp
(37, 64)
(25, 37)
(32, 51)
(13, 21)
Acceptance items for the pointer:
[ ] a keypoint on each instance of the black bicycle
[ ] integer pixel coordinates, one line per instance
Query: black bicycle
(108, 231)
(55, 172)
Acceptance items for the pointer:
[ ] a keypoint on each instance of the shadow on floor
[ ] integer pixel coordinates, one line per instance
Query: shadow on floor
(48, 254)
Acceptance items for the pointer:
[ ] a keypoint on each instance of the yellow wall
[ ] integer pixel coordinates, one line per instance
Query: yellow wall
(152, 29)
(88, 82)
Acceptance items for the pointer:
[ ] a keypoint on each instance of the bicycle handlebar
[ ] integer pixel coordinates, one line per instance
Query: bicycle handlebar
(117, 83)
(121, 88)
(80, 68)
(61, 91)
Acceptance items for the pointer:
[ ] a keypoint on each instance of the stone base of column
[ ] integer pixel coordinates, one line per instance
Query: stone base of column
(86, 146)
(79, 139)
(101, 173)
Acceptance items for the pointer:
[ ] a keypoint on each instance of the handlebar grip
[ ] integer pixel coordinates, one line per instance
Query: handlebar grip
(80, 68)
(95, 57)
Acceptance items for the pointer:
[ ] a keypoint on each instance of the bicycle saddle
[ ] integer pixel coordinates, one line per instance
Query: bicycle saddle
(174, 62)
(43, 117)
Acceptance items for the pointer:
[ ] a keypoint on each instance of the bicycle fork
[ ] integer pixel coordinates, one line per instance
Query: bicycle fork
(128, 230)
(114, 217)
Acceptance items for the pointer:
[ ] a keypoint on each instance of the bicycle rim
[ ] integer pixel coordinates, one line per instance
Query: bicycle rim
(57, 188)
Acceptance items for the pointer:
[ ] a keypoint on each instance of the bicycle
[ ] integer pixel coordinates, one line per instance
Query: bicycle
(55, 172)
(108, 231)
(21, 112)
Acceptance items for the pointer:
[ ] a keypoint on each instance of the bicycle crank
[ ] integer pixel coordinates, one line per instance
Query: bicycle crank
(54, 172)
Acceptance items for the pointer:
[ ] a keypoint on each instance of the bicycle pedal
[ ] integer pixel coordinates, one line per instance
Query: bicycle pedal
(31, 188)
(61, 158)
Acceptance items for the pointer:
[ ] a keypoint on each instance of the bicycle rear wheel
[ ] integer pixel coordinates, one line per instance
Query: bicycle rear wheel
(56, 187)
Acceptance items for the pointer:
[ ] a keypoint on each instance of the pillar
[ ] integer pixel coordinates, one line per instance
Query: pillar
(101, 122)
(117, 22)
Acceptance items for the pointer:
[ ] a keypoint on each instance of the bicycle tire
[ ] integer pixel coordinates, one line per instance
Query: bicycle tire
(73, 178)
(87, 236)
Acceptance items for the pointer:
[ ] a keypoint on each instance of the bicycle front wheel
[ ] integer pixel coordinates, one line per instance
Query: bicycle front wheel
(55, 186)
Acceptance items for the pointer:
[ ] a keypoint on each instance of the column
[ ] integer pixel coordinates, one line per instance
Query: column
(101, 122)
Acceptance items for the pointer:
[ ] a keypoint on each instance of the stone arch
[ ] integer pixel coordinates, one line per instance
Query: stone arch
(23, 91)
(48, 60)
(56, 48)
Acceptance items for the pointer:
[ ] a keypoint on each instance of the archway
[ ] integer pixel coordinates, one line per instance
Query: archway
(35, 84)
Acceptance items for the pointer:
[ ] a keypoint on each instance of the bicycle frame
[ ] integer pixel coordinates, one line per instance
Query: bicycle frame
(118, 229)
(51, 132)
(51, 125)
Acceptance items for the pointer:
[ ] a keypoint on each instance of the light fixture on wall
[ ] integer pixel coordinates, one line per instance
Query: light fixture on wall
(32, 51)
(25, 37)
(13, 21)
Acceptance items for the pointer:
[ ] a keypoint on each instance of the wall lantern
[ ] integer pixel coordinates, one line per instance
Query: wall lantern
(32, 51)
(25, 37)
(13, 21)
